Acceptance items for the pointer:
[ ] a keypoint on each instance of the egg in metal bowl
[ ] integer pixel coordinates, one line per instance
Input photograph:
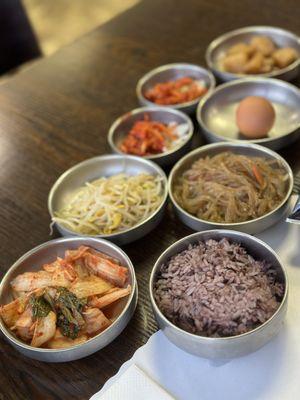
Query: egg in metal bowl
(217, 112)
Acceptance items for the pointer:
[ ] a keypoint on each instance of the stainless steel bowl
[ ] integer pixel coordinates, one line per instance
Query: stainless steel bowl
(171, 72)
(232, 346)
(216, 112)
(252, 226)
(46, 253)
(95, 168)
(122, 126)
(281, 37)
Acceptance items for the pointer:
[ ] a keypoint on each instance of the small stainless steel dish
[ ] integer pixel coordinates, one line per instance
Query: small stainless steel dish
(223, 347)
(252, 226)
(281, 37)
(122, 126)
(46, 253)
(95, 168)
(171, 72)
(216, 112)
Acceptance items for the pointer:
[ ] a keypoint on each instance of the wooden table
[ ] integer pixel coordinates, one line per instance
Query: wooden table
(58, 112)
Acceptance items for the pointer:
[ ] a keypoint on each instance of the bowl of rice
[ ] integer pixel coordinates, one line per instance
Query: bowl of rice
(219, 294)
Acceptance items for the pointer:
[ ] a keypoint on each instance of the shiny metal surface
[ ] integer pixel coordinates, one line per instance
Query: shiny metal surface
(46, 253)
(216, 112)
(170, 72)
(294, 217)
(106, 165)
(225, 347)
(253, 226)
(281, 37)
(122, 126)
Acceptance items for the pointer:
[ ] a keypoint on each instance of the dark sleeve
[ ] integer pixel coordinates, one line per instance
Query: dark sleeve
(17, 40)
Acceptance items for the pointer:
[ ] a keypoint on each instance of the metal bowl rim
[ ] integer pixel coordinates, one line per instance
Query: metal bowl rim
(236, 82)
(69, 171)
(135, 111)
(223, 38)
(233, 145)
(29, 253)
(165, 67)
(189, 240)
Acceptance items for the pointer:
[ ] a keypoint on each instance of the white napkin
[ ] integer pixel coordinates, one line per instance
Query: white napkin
(133, 384)
(271, 373)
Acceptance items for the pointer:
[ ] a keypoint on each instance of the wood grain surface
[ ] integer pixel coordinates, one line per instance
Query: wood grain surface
(58, 113)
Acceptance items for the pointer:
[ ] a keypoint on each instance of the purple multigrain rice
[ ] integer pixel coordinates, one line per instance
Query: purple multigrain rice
(216, 289)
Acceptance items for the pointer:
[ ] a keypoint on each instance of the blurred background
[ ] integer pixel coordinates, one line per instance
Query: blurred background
(59, 22)
(36, 28)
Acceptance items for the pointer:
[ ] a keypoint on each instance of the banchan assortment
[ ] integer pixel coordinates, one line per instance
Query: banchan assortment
(218, 293)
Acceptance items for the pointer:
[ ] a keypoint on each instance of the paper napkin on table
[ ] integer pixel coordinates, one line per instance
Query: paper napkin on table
(133, 384)
(271, 373)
